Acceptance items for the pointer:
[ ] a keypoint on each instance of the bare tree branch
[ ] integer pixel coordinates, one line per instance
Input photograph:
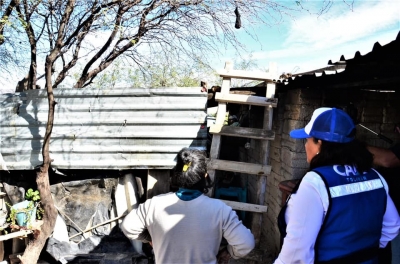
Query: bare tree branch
(194, 27)
(4, 19)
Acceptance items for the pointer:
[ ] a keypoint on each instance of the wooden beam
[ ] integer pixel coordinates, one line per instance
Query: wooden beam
(1, 251)
(101, 224)
(271, 87)
(246, 132)
(246, 99)
(242, 167)
(21, 233)
(255, 208)
(247, 75)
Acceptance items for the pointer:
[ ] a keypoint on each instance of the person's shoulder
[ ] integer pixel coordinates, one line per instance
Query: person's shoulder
(314, 179)
(164, 195)
(312, 176)
(161, 197)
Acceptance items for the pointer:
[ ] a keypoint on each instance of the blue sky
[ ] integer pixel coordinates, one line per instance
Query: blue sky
(308, 41)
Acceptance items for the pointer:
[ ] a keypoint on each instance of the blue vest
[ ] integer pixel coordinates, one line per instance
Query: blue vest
(352, 226)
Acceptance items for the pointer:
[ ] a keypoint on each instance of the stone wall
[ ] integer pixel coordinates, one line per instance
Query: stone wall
(377, 111)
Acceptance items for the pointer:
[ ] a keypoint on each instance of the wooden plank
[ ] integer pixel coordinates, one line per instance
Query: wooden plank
(221, 112)
(247, 75)
(220, 119)
(247, 132)
(255, 208)
(130, 192)
(120, 199)
(157, 182)
(271, 87)
(246, 99)
(21, 233)
(1, 250)
(101, 224)
(241, 167)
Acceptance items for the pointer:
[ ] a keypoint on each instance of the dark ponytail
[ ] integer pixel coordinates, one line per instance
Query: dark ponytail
(191, 169)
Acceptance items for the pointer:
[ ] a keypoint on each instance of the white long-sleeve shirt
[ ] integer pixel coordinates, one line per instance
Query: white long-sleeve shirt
(305, 214)
(188, 231)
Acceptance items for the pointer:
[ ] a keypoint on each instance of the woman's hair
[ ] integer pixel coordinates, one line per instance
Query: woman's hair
(191, 169)
(354, 153)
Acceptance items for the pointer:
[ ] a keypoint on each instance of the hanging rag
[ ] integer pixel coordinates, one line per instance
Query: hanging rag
(238, 23)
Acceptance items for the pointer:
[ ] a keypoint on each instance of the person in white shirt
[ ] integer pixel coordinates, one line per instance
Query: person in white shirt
(188, 226)
(340, 211)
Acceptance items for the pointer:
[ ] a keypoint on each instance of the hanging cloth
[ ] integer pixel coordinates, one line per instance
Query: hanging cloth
(238, 23)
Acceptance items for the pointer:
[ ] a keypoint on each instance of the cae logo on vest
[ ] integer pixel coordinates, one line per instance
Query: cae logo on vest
(350, 172)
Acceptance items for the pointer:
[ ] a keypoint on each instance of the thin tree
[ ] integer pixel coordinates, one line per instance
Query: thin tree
(35, 246)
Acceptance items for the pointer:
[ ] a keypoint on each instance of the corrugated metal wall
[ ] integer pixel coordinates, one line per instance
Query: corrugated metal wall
(127, 128)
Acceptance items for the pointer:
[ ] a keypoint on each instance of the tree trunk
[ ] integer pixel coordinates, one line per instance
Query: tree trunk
(36, 244)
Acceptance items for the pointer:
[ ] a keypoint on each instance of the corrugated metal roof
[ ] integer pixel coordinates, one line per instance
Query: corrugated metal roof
(376, 70)
(103, 128)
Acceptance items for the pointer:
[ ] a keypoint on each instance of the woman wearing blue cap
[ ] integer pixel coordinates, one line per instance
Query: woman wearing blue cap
(340, 211)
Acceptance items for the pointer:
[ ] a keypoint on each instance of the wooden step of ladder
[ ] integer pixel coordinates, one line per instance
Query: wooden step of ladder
(246, 132)
(241, 167)
(246, 99)
(265, 135)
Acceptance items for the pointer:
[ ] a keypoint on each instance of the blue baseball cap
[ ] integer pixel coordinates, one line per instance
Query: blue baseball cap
(329, 124)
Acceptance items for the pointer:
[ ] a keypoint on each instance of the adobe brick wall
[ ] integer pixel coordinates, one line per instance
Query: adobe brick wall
(377, 111)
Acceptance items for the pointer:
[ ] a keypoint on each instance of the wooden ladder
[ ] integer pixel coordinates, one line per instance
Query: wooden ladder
(265, 135)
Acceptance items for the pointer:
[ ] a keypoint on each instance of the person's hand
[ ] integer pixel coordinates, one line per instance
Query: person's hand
(223, 256)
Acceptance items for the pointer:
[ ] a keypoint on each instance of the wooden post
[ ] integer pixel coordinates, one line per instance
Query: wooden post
(262, 180)
(1, 250)
(220, 119)
(4, 209)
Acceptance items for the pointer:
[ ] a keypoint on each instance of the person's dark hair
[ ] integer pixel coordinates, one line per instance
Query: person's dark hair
(194, 176)
(354, 153)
